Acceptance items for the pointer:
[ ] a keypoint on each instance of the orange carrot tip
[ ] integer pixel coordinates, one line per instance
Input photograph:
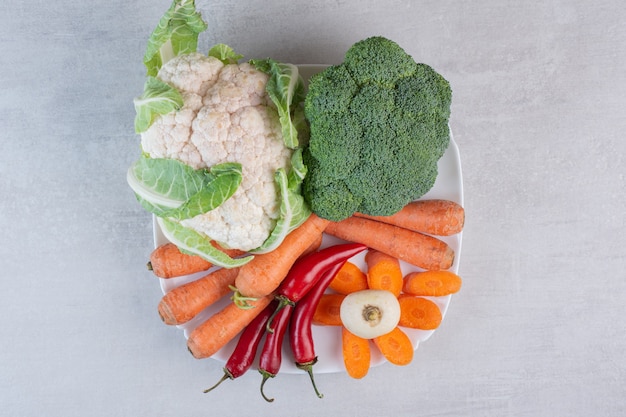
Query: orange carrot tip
(349, 279)
(432, 283)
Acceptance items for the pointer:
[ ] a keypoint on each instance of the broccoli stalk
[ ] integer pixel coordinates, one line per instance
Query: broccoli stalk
(378, 126)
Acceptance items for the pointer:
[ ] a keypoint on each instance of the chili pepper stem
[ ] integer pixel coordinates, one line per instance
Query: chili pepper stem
(227, 375)
(266, 376)
(308, 367)
(282, 303)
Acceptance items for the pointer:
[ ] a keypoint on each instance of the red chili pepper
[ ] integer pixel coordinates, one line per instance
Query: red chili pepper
(271, 354)
(307, 271)
(300, 335)
(243, 356)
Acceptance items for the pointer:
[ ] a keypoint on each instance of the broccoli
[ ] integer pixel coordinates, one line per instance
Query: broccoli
(378, 126)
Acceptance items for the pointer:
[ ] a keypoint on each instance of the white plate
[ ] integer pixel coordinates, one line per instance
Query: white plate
(449, 186)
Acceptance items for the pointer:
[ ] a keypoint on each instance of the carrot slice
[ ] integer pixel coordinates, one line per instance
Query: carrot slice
(356, 354)
(418, 313)
(383, 272)
(327, 310)
(395, 346)
(349, 279)
(432, 283)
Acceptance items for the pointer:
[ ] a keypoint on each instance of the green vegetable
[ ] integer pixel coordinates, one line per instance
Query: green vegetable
(293, 210)
(378, 126)
(177, 33)
(157, 98)
(286, 89)
(169, 188)
(225, 53)
(189, 241)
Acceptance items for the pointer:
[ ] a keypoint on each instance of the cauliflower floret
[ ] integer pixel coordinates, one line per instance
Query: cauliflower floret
(191, 74)
(226, 117)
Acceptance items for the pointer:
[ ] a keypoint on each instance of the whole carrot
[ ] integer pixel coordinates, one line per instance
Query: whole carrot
(167, 261)
(219, 329)
(435, 217)
(416, 248)
(185, 302)
(265, 272)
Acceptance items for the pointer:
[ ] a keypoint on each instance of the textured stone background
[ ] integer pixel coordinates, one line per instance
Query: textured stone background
(538, 114)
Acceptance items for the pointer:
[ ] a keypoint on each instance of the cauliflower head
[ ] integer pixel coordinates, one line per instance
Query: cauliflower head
(226, 116)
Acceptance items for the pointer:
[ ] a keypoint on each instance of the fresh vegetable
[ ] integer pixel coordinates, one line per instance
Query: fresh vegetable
(219, 141)
(242, 358)
(265, 272)
(271, 356)
(416, 248)
(328, 310)
(183, 303)
(177, 33)
(395, 346)
(434, 217)
(383, 272)
(418, 313)
(195, 243)
(431, 283)
(378, 126)
(300, 334)
(307, 271)
(356, 354)
(349, 279)
(219, 329)
(285, 87)
(167, 261)
(170, 188)
(370, 313)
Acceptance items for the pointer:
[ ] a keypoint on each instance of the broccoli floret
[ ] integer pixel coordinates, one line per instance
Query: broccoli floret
(379, 124)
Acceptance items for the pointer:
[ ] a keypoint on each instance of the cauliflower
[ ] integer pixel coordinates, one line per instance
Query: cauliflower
(221, 157)
(226, 117)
